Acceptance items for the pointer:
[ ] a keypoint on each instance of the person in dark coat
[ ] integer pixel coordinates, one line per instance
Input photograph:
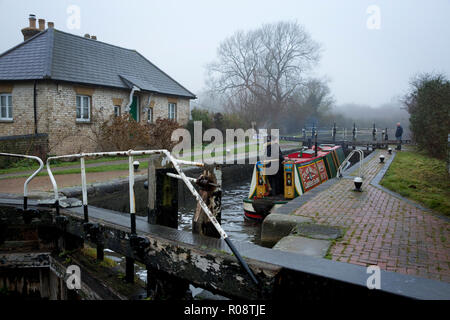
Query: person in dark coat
(398, 136)
(276, 180)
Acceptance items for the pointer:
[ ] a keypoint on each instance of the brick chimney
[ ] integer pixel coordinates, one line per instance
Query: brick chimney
(94, 37)
(41, 24)
(87, 35)
(50, 24)
(31, 30)
(32, 19)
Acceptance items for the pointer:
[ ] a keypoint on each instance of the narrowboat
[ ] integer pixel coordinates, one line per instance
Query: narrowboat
(298, 173)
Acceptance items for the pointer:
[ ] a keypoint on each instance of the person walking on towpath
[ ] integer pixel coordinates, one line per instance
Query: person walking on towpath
(398, 136)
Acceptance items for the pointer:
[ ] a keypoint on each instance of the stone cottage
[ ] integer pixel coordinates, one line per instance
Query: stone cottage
(62, 84)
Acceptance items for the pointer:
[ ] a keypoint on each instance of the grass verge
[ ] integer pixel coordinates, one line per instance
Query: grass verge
(420, 177)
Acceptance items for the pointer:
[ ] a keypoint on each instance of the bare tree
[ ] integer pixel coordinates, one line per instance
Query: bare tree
(260, 70)
(308, 105)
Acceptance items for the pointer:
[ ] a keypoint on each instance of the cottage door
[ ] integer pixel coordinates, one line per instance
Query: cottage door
(134, 108)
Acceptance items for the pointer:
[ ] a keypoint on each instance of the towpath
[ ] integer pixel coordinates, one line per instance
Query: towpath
(382, 228)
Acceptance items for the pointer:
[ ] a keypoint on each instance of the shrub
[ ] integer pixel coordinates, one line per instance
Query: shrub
(160, 134)
(124, 133)
(218, 120)
(428, 104)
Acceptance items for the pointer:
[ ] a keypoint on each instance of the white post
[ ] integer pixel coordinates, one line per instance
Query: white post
(132, 198)
(84, 189)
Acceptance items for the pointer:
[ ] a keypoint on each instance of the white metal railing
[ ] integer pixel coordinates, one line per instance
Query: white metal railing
(176, 164)
(25, 186)
(344, 165)
(129, 153)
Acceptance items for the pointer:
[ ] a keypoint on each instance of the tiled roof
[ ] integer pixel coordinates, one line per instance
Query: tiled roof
(57, 55)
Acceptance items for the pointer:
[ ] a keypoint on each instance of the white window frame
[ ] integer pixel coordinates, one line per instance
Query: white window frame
(173, 113)
(118, 113)
(83, 108)
(150, 115)
(7, 108)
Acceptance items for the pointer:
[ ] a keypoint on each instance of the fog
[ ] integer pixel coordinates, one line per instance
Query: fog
(365, 66)
(384, 116)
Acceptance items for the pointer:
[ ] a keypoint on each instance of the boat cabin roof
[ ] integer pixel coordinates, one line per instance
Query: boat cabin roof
(309, 154)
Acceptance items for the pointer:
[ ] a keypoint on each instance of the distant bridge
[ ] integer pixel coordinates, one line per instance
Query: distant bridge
(349, 137)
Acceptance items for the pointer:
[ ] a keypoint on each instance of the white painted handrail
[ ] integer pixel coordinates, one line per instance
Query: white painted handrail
(82, 156)
(346, 161)
(25, 186)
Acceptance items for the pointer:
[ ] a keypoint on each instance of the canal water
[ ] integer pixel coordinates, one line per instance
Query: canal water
(233, 221)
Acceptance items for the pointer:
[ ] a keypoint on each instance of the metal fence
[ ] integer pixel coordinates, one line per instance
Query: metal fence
(353, 133)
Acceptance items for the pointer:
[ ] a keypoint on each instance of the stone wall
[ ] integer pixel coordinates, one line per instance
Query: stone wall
(57, 113)
(23, 122)
(36, 145)
(161, 108)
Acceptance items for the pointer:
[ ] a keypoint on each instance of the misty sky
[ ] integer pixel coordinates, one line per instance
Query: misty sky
(364, 66)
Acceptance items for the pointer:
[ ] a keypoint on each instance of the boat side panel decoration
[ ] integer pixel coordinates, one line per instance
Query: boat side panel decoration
(252, 192)
(340, 156)
(289, 177)
(297, 184)
(309, 175)
(329, 165)
(322, 171)
(335, 158)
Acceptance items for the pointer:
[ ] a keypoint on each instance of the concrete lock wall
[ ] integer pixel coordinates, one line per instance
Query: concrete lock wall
(32, 284)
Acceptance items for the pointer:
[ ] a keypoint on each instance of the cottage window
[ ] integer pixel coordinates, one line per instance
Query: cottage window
(83, 108)
(6, 107)
(173, 111)
(150, 115)
(117, 111)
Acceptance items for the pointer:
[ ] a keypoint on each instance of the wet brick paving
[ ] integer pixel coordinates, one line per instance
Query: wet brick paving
(381, 229)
